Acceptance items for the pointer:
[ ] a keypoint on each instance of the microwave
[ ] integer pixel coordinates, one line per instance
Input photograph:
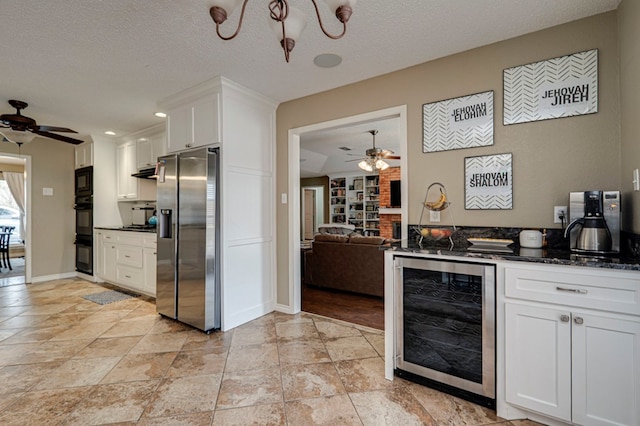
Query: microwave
(84, 181)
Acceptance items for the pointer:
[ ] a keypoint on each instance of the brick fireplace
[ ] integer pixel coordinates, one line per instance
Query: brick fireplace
(387, 221)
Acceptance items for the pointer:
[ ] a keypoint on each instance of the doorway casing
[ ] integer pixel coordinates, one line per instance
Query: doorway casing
(400, 112)
(27, 241)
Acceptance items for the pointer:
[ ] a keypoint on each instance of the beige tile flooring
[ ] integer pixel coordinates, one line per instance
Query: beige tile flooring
(65, 360)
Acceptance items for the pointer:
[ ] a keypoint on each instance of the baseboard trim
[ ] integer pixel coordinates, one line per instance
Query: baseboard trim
(285, 309)
(52, 277)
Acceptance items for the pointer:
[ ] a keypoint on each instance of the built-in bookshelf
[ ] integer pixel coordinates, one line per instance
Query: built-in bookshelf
(360, 206)
(338, 200)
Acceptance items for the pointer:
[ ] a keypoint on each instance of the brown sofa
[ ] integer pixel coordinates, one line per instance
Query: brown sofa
(354, 264)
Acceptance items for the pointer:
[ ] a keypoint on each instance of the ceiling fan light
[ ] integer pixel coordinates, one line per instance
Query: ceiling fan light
(365, 165)
(17, 137)
(381, 164)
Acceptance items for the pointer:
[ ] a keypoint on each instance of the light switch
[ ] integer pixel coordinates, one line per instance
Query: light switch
(283, 198)
(47, 191)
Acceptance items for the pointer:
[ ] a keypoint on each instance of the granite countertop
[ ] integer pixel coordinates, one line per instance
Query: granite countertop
(127, 228)
(553, 256)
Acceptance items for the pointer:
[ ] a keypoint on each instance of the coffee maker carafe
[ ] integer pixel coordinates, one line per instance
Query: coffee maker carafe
(598, 214)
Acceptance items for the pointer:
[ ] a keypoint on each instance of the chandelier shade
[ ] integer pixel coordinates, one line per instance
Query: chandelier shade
(287, 22)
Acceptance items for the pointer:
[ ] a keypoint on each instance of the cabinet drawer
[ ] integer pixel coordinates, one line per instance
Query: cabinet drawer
(149, 241)
(131, 238)
(615, 291)
(128, 276)
(131, 256)
(108, 236)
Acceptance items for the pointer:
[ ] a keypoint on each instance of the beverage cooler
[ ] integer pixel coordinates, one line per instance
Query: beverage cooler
(445, 326)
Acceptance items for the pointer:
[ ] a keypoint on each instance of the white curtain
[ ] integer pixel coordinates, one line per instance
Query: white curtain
(15, 183)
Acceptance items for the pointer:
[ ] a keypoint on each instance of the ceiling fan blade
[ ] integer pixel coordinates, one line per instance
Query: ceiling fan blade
(58, 137)
(391, 157)
(53, 129)
(357, 159)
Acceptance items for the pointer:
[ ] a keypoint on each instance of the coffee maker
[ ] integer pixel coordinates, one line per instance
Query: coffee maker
(594, 222)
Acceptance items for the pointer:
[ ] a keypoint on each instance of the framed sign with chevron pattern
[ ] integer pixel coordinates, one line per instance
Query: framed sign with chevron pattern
(559, 87)
(458, 123)
(488, 182)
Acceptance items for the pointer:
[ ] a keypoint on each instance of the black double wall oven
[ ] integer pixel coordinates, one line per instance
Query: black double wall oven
(84, 219)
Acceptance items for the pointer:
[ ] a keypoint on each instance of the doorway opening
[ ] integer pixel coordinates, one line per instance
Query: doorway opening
(296, 237)
(311, 210)
(13, 220)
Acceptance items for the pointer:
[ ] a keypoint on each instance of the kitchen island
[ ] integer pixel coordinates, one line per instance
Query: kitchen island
(559, 318)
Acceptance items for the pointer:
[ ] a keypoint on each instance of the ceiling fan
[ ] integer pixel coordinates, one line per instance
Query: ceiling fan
(20, 124)
(375, 156)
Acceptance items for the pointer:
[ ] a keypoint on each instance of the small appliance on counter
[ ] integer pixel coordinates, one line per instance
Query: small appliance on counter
(598, 215)
(530, 238)
(141, 213)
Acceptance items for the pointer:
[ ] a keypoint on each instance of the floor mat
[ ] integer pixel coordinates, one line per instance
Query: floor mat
(110, 296)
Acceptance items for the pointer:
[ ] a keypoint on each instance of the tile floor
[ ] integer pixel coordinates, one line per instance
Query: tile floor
(68, 361)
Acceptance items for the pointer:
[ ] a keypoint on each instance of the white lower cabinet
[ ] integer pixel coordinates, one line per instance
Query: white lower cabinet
(581, 366)
(127, 259)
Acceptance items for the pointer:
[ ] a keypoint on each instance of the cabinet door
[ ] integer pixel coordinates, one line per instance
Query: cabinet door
(606, 371)
(83, 155)
(144, 153)
(538, 359)
(149, 271)
(205, 121)
(127, 185)
(158, 147)
(179, 128)
(108, 261)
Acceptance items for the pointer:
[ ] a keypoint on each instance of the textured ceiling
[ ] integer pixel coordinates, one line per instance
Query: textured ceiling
(94, 65)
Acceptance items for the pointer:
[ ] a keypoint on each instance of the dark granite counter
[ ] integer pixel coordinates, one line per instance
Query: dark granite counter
(551, 256)
(127, 228)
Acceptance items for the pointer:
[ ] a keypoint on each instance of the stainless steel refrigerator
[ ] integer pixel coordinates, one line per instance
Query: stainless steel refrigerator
(188, 265)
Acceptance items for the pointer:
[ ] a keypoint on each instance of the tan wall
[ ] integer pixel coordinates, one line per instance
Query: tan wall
(550, 158)
(629, 34)
(52, 218)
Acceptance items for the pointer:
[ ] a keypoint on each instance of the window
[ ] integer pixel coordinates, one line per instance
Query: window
(9, 213)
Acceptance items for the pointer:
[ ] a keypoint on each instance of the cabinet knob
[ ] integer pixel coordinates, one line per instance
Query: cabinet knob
(578, 320)
(564, 318)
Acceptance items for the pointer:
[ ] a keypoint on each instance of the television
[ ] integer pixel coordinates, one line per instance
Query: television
(394, 193)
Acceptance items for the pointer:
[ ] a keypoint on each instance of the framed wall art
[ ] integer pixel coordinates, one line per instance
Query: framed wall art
(558, 87)
(458, 123)
(488, 182)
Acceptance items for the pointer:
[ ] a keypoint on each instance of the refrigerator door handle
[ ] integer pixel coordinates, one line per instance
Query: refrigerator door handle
(165, 220)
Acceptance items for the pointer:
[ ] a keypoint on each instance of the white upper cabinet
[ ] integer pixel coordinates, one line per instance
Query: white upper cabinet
(195, 124)
(127, 185)
(148, 149)
(84, 155)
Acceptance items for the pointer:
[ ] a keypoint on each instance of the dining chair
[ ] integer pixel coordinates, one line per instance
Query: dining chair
(5, 236)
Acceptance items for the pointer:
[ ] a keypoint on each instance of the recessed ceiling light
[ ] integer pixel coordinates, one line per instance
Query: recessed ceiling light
(327, 60)
(110, 133)
(160, 114)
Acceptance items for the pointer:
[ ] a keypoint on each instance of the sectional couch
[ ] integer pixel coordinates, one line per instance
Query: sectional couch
(350, 263)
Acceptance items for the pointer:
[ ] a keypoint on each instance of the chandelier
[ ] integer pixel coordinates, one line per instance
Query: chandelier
(287, 22)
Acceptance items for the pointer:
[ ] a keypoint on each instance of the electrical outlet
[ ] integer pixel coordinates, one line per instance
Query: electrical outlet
(559, 211)
(434, 216)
